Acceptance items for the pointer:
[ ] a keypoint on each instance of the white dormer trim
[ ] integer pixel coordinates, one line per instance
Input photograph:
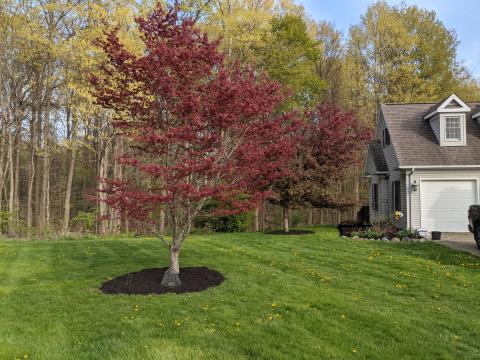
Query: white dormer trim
(443, 107)
(476, 115)
(444, 141)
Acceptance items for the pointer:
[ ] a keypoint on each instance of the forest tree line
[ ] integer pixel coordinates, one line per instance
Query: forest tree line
(56, 142)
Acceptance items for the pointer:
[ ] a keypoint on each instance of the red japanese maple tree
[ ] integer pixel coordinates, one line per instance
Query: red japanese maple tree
(198, 129)
(331, 144)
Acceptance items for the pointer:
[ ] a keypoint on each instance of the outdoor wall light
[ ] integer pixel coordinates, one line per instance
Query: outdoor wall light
(414, 185)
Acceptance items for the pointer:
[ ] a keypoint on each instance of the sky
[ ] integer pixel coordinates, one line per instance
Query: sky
(460, 15)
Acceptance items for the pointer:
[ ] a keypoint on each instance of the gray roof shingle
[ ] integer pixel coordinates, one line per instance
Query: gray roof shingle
(415, 143)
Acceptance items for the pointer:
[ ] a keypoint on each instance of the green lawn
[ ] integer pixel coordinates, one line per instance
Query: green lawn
(301, 297)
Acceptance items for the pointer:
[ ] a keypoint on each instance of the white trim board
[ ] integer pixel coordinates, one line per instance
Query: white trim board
(443, 107)
(426, 167)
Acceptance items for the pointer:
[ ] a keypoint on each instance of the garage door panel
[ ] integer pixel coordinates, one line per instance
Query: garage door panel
(444, 204)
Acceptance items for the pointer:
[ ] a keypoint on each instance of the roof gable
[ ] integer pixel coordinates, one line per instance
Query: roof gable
(451, 104)
(415, 143)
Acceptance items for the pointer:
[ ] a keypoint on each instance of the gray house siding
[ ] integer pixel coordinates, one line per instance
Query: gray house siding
(381, 213)
(385, 192)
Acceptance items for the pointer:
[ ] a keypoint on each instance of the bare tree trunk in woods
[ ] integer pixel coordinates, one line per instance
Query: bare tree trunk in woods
(16, 192)
(31, 165)
(43, 211)
(102, 207)
(11, 182)
(71, 168)
(3, 163)
(117, 174)
(37, 167)
(286, 225)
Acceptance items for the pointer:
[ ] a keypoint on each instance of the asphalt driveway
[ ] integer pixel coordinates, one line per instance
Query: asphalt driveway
(460, 241)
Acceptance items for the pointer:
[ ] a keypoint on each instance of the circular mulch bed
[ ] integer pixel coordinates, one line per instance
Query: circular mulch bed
(148, 281)
(291, 232)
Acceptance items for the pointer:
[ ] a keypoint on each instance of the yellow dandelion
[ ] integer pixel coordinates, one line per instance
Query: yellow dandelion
(274, 305)
(354, 350)
(344, 316)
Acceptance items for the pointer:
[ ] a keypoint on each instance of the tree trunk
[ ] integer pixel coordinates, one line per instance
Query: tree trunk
(257, 218)
(161, 222)
(11, 184)
(117, 174)
(68, 191)
(16, 195)
(286, 227)
(102, 206)
(171, 277)
(44, 209)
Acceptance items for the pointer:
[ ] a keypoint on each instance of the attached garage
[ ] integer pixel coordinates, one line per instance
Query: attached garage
(444, 204)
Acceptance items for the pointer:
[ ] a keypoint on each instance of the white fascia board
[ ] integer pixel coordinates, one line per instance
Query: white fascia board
(476, 115)
(443, 107)
(455, 98)
(408, 167)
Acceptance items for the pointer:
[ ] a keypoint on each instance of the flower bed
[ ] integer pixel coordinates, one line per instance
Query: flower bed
(387, 232)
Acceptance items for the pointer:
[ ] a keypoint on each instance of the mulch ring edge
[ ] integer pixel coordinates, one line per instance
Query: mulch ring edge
(148, 282)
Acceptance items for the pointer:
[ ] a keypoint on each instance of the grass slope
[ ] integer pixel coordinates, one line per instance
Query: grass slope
(300, 297)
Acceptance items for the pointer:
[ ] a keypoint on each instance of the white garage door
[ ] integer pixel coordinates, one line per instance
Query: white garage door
(444, 204)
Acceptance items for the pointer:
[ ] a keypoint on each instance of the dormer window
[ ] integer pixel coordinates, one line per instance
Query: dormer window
(448, 121)
(453, 128)
(386, 137)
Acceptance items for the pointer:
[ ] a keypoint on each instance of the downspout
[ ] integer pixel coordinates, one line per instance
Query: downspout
(409, 199)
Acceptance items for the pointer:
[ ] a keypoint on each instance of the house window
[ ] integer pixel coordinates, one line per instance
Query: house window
(386, 137)
(375, 197)
(453, 128)
(396, 196)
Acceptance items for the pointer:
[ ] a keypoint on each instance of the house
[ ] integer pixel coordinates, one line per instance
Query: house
(425, 163)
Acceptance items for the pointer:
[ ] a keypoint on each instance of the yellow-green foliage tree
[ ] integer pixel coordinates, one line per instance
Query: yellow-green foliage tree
(402, 54)
(289, 55)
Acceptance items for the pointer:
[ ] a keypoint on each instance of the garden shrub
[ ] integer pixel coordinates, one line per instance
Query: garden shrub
(85, 221)
(4, 221)
(223, 223)
(371, 233)
(231, 223)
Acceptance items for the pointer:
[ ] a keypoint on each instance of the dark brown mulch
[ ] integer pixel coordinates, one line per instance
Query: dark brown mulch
(291, 232)
(148, 281)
